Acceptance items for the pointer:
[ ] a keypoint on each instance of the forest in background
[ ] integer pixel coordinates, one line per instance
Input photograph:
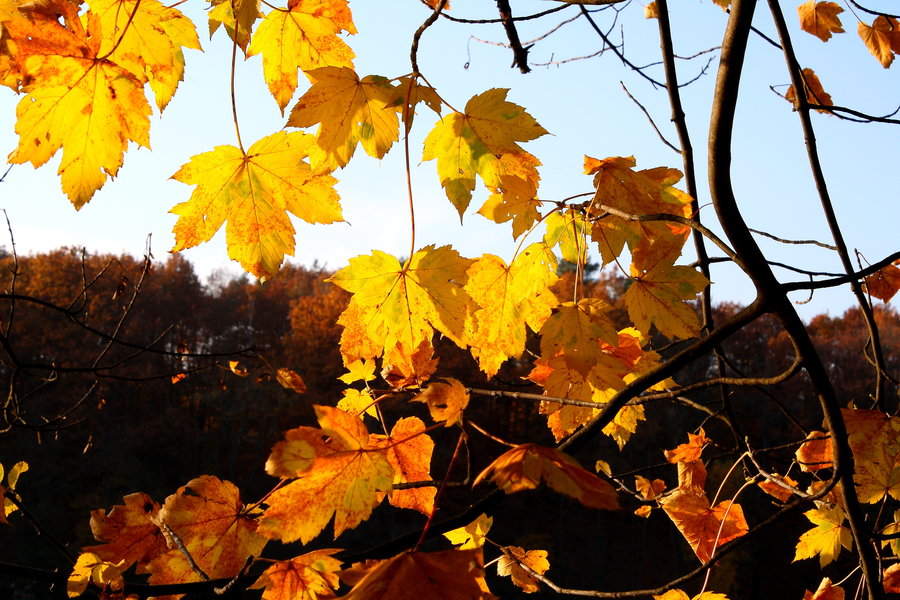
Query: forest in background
(189, 386)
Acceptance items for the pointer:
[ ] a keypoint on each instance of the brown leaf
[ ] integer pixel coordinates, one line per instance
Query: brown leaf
(290, 379)
(815, 93)
(446, 401)
(820, 19)
(510, 564)
(882, 38)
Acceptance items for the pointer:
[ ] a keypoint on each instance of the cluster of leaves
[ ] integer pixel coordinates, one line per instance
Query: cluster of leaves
(84, 69)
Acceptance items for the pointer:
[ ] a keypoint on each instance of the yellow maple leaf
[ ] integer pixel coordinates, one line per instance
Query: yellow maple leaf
(310, 576)
(510, 564)
(152, 41)
(681, 595)
(304, 36)
(254, 192)
(484, 141)
(705, 527)
(90, 568)
(659, 295)
(7, 506)
(76, 99)
(409, 451)
(826, 538)
(820, 18)
(875, 440)
(358, 402)
(346, 476)
(395, 309)
(511, 298)
(882, 38)
(815, 93)
(349, 111)
(568, 229)
(472, 535)
(237, 16)
(526, 465)
(446, 401)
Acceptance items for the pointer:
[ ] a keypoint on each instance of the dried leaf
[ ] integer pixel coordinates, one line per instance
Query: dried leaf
(510, 564)
(290, 379)
(820, 18)
(705, 527)
(882, 38)
(815, 93)
(446, 401)
(310, 576)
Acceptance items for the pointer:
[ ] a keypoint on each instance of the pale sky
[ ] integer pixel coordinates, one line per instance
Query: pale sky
(581, 103)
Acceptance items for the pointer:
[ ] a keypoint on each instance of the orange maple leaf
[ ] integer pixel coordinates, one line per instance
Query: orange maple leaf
(816, 452)
(449, 575)
(302, 37)
(254, 192)
(207, 518)
(336, 470)
(884, 283)
(90, 568)
(526, 465)
(129, 533)
(882, 38)
(290, 379)
(828, 591)
(310, 576)
(815, 93)
(510, 564)
(484, 141)
(705, 527)
(875, 441)
(409, 451)
(7, 506)
(820, 18)
(689, 451)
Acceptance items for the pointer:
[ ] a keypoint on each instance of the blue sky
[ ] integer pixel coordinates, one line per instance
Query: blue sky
(581, 103)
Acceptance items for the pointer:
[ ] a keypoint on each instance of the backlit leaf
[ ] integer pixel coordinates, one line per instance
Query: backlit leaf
(884, 283)
(90, 568)
(290, 379)
(349, 111)
(310, 576)
(820, 18)
(882, 38)
(446, 401)
(472, 535)
(336, 471)
(705, 527)
(510, 564)
(302, 37)
(409, 451)
(484, 141)
(527, 465)
(659, 295)
(826, 538)
(129, 533)
(816, 452)
(254, 192)
(815, 93)
(449, 575)
(237, 16)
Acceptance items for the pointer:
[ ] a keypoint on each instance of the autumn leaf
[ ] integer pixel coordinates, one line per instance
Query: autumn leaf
(780, 488)
(510, 565)
(705, 527)
(512, 298)
(472, 535)
(129, 533)
(827, 591)
(207, 518)
(152, 42)
(395, 309)
(820, 18)
(484, 141)
(335, 470)
(254, 192)
(690, 451)
(882, 38)
(409, 451)
(884, 283)
(291, 380)
(681, 595)
(349, 111)
(874, 438)
(649, 490)
(816, 452)
(651, 11)
(659, 295)
(815, 93)
(525, 466)
(310, 576)
(359, 370)
(891, 580)
(90, 568)
(76, 99)
(358, 402)
(449, 575)
(12, 478)
(302, 37)
(568, 229)
(826, 538)
(404, 370)
(237, 16)
(446, 401)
